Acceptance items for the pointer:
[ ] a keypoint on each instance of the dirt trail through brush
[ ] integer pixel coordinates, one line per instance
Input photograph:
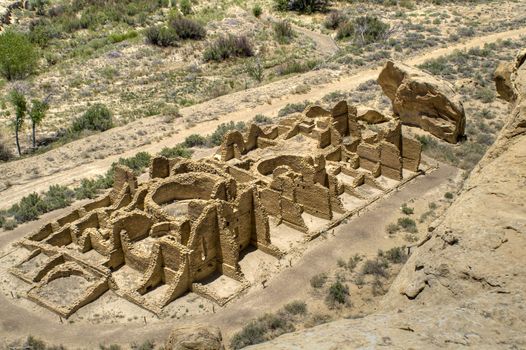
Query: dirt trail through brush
(73, 173)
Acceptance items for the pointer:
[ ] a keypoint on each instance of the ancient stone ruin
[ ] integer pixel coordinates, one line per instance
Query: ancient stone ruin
(192, 220)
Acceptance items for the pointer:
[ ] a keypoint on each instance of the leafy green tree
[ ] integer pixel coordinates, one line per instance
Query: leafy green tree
(20, 104)
(18, 56)
(37, 113)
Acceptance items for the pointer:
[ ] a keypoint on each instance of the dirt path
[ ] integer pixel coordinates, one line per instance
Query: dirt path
(96, 167)
(364, 234)
(324, 43)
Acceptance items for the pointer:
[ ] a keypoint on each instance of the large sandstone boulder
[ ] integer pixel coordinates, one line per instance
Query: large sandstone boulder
(422, 100)
(503, 77)
(195, 337)
(370, 115)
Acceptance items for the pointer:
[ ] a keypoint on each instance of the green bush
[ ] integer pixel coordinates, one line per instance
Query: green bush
(407, 210)
(97, 118)
(226, 47)
(57, 197)
(345, 30)
(375, 267)
(257, 10)
(187, 28)
(283, 31)
(2, 220)
(338, 294)
(317, 281)
(407, 224)
(88, 189)
(364, 30)
(305, 6)
(260, 330)
(29, 208)
(18, 57)
(118, 37)
(296, 308)
(392, 228)
(396, 255)
(448, 195)
(5, 151)
(261, 119)
(334, 19)
(216, 138)
(185, 7)
(195, 140)
(177, 151)
(161, 36)
(292, 108)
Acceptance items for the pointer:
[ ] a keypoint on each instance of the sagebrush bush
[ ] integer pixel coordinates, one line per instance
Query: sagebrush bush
(185, 7)
(260, 330)
(187, 28)
(364, 30)
(216, 138)
(5, 151)
(377, 267)
(292, 108)
(317, 281)
(177, 151)
(96, 118)
(261, 119)
(195, 140)
(307, 6)
(257, 10)
(229, 46)
(407, 210)
(161, 36)
(338, 294)
(334, 19)
(396, 255)
(296, 308)
(283, 31)
(345, 30)
(407, 224)
(18, 56)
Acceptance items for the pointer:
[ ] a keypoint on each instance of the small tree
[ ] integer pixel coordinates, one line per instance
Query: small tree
(19, 103)
(18, 57)
(37, 114)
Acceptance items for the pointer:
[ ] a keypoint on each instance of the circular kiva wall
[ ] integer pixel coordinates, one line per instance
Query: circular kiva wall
(183, 187)
(299, 164)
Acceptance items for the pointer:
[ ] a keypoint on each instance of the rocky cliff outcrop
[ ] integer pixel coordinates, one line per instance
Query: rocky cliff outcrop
(423, 100)
(466, 284)
(195, 337)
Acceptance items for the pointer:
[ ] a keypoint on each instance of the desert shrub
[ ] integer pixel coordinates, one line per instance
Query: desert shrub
(257, 10)
(448, 195)
(376, 267)
(338, 294)
(262, 329)
(345, 30)
(353, 262)
(291, 67)
(317, 281)
(18, 57)
(296, 308)
(484, 94)
(5, 151)
(195, 140)
(41, 32)
(88, 189)
(261, 119)
(147, 345)
(161, 36)
(10, 224)
(396, 255)
(187, 28)
(255, 70)
(229, 46)
(377, 287)
(96, 118)
(292, 108)
(334, 19)
(283, 31)
(392, 228)
(407, 210)
(29, 208)
(118, 37)
(57, 197)
(407, 224)
(185, 7)
(137, 163)
(307, 6)
(216, 138)
(177, 151)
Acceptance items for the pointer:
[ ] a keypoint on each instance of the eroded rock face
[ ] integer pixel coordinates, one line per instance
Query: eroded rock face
(503, 77)
(422, 100)
(370, 115)
(195, 337)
